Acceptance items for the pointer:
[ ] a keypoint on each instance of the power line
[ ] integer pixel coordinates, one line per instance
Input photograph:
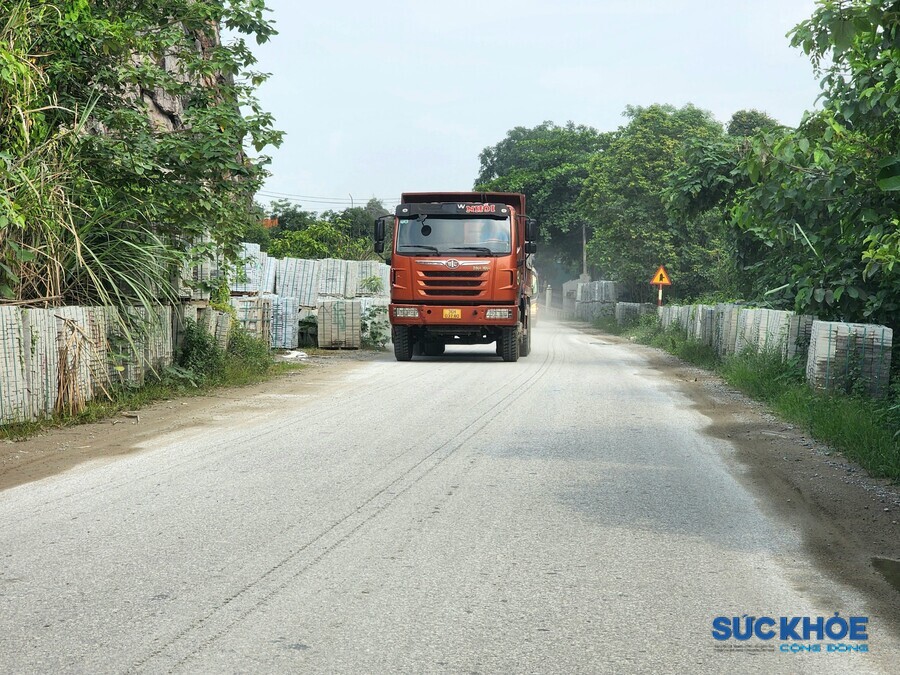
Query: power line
(343, 201)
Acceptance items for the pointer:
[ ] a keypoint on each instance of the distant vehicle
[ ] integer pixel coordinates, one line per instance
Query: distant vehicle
(459, 273)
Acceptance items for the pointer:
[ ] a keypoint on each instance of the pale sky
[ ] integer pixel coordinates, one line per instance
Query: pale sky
(379, 98)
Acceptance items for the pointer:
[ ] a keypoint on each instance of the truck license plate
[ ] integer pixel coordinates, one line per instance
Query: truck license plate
(452, 313)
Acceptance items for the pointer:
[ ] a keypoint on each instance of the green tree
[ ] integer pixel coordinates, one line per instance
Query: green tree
(853, 46)
(623, 198)
(750, 122)
(547, 163)
(121, 142)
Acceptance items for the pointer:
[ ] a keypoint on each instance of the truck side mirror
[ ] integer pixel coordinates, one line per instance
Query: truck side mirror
(379, 246)
(532, 232)
(379, 232)
(530, 247)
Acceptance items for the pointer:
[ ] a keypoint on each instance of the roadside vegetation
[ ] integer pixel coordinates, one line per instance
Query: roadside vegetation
(201, 366)
(802, 219)
(863, 429)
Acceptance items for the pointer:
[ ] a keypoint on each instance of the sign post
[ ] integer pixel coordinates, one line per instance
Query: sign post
(661, 278)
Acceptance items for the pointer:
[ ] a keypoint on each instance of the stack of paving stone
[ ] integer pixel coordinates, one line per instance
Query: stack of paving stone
(285, 322)
(595, 299)
(254, 313)
(844, 356)
(629, 313)
(339, 323)
(249, 271)
(299, 278)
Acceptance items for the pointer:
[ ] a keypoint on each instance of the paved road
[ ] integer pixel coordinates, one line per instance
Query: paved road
(562, 514)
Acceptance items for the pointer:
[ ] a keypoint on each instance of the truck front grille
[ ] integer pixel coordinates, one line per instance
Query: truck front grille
(451, 283)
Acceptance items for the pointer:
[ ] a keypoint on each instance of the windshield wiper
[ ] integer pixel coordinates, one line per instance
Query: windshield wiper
(480, 249)
(425, 246)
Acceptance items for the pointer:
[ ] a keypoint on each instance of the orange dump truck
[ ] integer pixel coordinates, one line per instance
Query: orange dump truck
(459, 273)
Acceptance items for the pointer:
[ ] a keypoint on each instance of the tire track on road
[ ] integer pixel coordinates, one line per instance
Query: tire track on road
(234, 609)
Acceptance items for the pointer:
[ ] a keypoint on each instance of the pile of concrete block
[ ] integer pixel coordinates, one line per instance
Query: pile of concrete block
(595, 299)
(629, 313)
(254, 314)
(843, 356)
(339, 323)
(285, 322)
(299, 278)
(249, 271)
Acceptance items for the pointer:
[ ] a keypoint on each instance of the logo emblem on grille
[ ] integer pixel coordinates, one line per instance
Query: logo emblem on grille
(453, 263)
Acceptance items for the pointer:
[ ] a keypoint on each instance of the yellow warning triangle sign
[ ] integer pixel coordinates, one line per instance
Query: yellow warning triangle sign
(661, 278)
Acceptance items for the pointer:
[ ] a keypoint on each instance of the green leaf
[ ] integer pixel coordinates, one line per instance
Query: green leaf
(842, 34)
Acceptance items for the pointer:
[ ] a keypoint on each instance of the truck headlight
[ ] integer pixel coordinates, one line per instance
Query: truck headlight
(498, 314)
(406, 312)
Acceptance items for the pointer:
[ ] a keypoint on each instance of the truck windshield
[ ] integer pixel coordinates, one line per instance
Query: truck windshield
(443, 235)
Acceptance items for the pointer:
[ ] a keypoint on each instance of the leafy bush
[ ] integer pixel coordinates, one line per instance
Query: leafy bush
(200, 356)
(248, 357)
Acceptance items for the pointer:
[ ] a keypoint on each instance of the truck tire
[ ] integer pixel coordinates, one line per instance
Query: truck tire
(509, 344)
(525, 342)
(403, 347)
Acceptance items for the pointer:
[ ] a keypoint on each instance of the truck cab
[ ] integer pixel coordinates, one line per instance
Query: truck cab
(458, 272)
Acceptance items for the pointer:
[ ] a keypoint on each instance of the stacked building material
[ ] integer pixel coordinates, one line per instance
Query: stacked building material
(285, 322)
(269, 272)
(299, 278)
(375, 321)
(701, 324)
(249, 270)
(254, 314)
(339, 323)
(368, 270)
(725, 320)
(747, 336)
(847, 356)
(629, 313)
(333, 278)
(14, 396)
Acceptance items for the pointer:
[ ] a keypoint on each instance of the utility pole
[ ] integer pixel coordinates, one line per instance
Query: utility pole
(584, 248)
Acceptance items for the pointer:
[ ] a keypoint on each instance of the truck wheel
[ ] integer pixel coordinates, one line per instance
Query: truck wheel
(402, 343)
(433, 348)
(509, 344)
(525, 342)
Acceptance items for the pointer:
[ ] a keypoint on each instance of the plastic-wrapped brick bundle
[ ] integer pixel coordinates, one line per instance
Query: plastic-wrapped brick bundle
(799, 333)
(726, 320)
(254, 313)
(374, 312)
(41, 360)
(372, 269)
(249, 270)
(339, 323)
(269, 272)
(843, 356)
(333, 277)
(285, 322)
(747, 331)
(299, 278)
(15, 405)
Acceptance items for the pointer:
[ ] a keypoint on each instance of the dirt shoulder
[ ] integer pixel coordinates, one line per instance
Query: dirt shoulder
(60, 449)
(849, 521)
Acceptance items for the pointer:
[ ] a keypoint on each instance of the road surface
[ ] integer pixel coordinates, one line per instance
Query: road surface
(566, 513)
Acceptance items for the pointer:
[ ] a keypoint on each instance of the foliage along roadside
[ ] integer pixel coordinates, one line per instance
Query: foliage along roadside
(803, 219)
(121, 144)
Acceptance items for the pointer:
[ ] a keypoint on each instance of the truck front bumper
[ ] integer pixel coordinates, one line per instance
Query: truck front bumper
(453, 315)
